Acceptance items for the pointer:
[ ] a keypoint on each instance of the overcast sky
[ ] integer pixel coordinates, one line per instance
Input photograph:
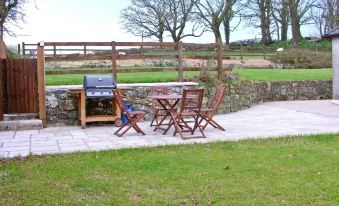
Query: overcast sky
(88, 20)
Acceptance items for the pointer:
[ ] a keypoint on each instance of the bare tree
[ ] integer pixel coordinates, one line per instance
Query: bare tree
(280, 14)
(178, 14)
(300, 15)
(213, 13)
(259, 11)
(234, 8)
(325, 15)
(145, 18)
(10, 14)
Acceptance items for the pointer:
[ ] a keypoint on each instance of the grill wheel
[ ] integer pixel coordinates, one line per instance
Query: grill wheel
(118, 122)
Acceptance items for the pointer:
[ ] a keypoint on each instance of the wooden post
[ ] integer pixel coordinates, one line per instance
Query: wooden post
(180, 62)
(114, 61)
(19, 48)
(264, 51)
(54, 50)
(85, 50)
(23, 48)
(41, 82)
(241, 56)
(219, 59)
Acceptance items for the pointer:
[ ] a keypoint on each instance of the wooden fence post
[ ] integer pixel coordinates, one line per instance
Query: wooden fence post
(23, 48)
(85, 50)
(54, 50)
(41, 82)
(19, 52)
(114, 61)
(241, 56)
(264, 51)
(180, 62)
(219, 59)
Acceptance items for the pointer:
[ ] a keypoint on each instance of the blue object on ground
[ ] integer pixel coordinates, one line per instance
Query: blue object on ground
(128, 107)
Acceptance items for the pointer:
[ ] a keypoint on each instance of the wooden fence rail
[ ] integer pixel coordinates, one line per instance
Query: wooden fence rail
(114, 57)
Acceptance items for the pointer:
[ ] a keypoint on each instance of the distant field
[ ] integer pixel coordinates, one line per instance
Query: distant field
(232, 54)
(248, 74)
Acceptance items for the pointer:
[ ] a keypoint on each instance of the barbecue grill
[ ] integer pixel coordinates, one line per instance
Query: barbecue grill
(99, 86)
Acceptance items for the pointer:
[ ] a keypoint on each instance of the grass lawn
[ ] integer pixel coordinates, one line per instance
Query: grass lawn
(285, 74)
(140, 77)
(248, 74)
(285, 171)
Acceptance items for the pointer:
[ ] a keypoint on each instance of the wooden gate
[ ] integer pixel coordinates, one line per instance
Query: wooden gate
(20, 86)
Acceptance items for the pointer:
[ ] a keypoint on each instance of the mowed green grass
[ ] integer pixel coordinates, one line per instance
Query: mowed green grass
(248, 74)
(284, 74)
(139, 77)
(284, 171)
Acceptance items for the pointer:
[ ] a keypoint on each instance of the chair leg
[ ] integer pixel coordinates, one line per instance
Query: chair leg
(209, 120)
(133, 124)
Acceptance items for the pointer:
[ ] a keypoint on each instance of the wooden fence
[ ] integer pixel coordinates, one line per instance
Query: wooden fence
(20, 86)
(115, 56)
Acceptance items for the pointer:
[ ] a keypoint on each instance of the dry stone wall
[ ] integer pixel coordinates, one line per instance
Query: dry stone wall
(62, 106)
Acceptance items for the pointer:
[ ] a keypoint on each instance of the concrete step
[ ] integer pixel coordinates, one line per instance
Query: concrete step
(20, 116)
(17, 125)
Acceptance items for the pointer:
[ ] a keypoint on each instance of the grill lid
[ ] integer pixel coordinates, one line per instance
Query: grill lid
(99, 81)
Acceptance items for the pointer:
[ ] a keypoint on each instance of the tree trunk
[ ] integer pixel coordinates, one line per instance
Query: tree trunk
(161, 39)
(284, 21)
(3, 50)
(264, 21)
(218, 42)
(295, 21)
(227, 30)
(264, 36)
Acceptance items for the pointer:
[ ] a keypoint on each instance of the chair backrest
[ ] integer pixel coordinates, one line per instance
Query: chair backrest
(216, 97)
(191, 100)
(155, 91)
(119, 100)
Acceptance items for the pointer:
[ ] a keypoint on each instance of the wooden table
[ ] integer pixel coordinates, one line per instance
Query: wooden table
(115, 117)
(168, 103)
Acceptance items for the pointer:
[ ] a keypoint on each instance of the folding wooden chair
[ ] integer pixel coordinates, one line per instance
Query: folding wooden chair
(157, 109)
(132, 117)
(214, 102)
(190, 106)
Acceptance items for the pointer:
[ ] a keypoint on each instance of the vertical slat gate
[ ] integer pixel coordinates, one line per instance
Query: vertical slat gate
(21, 89)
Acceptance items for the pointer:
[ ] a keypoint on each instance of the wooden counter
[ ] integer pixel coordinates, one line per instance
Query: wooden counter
(115, 117)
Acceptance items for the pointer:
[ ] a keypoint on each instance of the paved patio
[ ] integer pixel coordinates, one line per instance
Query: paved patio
(271, 119)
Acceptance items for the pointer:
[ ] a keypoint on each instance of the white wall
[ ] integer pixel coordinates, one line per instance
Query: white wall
(335, 61)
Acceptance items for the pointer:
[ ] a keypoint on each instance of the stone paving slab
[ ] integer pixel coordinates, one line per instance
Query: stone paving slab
(274, 119)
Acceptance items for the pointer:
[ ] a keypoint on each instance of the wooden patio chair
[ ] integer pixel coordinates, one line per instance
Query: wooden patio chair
(190, 106)
(132, 117)
(157, 109)
(214, 102)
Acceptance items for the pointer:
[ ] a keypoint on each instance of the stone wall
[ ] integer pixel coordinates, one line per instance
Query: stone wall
(62, 103)
(62, 108)
(243, 94)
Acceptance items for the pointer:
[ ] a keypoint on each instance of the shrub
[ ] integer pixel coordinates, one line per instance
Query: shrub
(304, 58)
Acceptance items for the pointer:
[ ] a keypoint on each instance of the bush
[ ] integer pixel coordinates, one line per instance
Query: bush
(304, 58)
